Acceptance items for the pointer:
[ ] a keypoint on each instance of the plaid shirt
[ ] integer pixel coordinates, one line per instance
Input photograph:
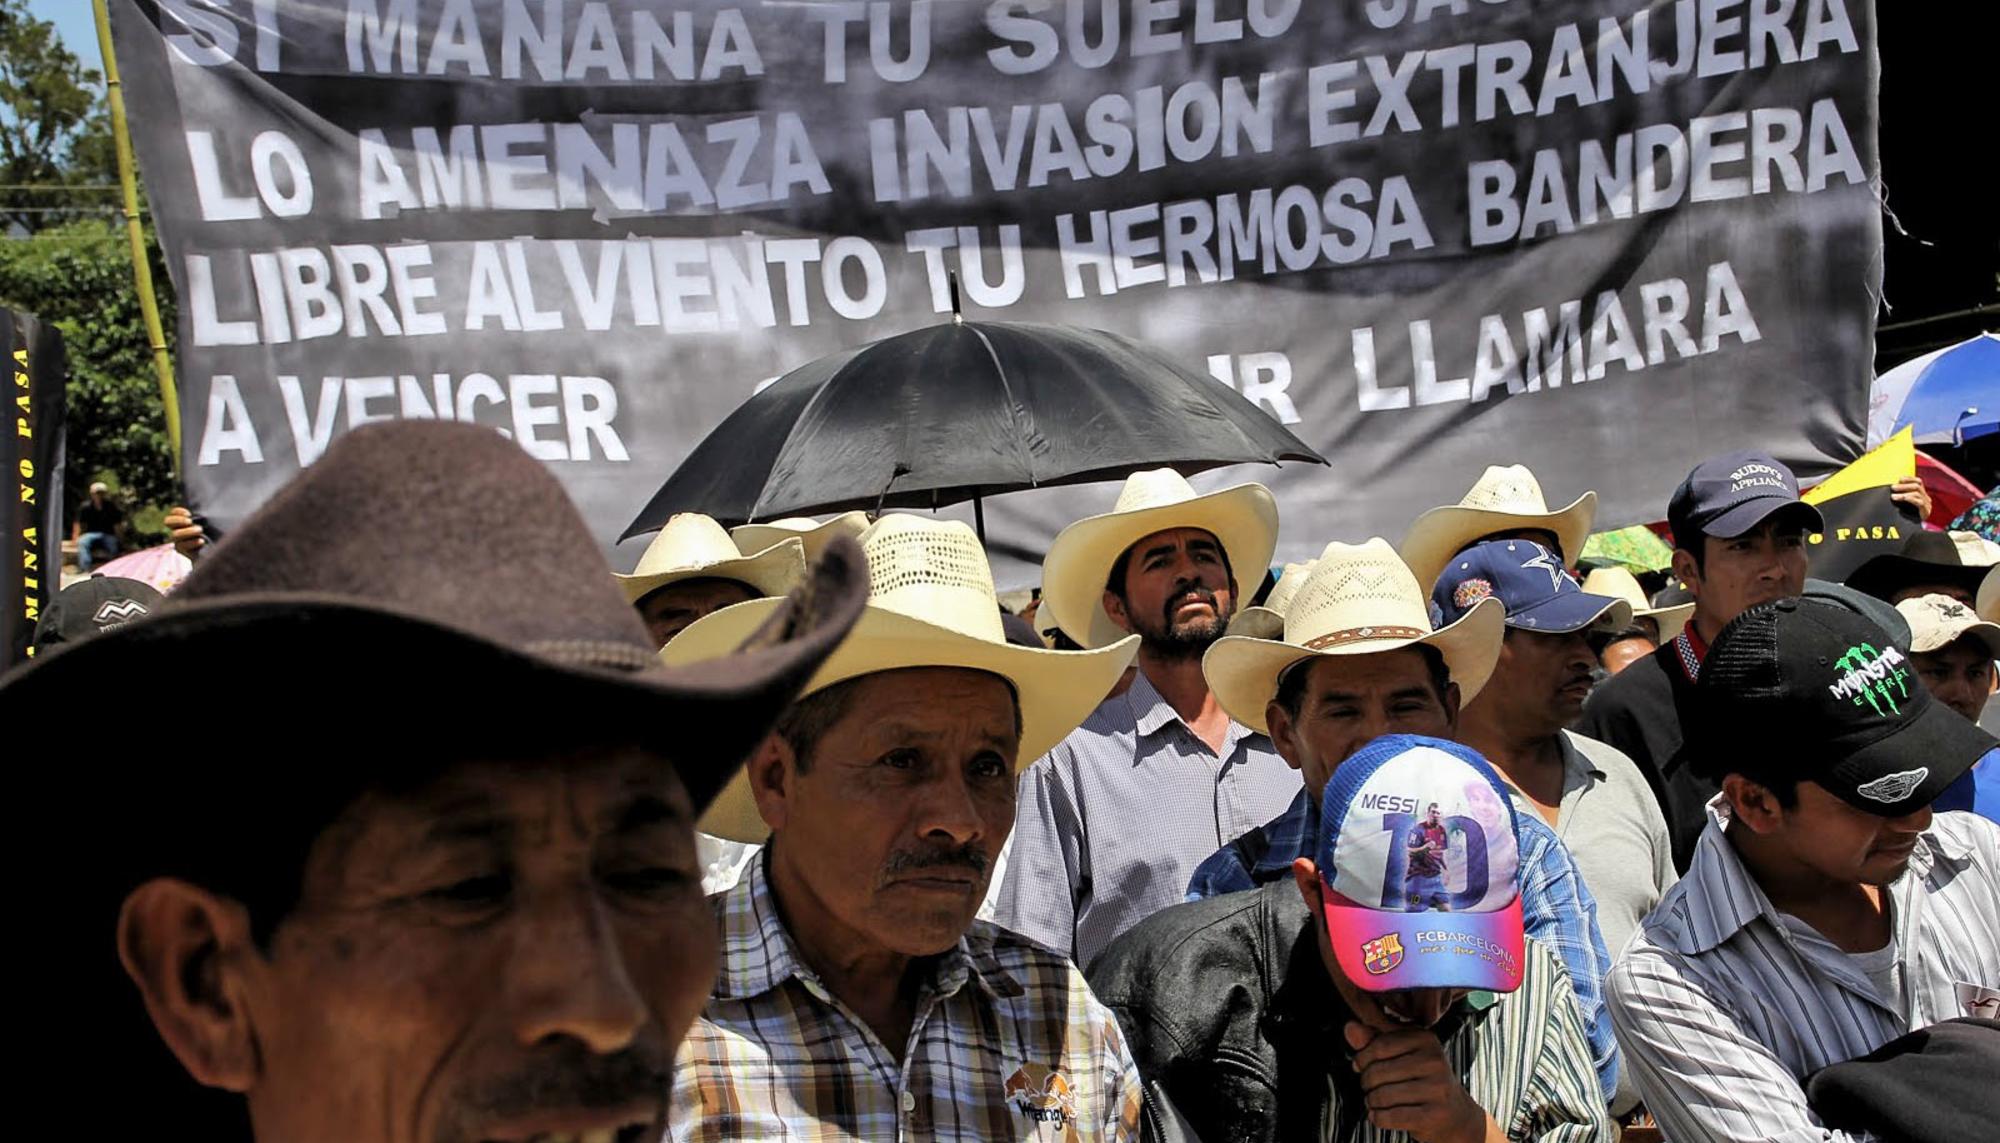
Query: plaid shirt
(777, 1056)
(1555, 904)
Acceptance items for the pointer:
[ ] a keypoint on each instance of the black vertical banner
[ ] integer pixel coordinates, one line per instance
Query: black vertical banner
(32, 457)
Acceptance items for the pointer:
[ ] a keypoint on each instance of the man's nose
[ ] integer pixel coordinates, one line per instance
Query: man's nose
(568, 977)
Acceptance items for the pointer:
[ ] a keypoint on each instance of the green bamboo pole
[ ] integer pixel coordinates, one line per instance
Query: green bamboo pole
(142, 270)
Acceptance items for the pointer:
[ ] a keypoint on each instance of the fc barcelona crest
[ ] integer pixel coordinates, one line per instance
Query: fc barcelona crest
(1382, 954)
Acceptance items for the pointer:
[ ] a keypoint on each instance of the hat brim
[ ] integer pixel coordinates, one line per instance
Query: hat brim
(1572, 611)
(1243, 519)
(1740, 518)
(773, 571)
(249, 655)
(1670, 620)
(759, 537)
(1442, 533)
(1056, 690)
(1243, 672)
(1883, 576)
(1257, 623)
(1917, 761)
(1436, 949)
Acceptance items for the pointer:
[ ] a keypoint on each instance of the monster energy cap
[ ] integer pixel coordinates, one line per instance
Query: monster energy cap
(1839, 702)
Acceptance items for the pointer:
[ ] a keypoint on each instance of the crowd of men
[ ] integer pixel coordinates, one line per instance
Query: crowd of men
(793, 834)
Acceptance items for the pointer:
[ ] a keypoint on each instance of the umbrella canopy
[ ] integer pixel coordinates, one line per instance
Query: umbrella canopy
(1637, 547)
(161, 567)
(1949, 397)
(961, 410)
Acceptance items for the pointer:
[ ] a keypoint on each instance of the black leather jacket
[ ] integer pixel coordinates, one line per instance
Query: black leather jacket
(1229, 1012)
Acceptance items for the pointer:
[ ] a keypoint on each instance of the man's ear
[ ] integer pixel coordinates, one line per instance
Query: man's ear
(1114, 606)
(189, 950)
(1305, 875)
(1685, 570)
(773, 773)
(1453, 699)
(1752, 804)
(1284, 729)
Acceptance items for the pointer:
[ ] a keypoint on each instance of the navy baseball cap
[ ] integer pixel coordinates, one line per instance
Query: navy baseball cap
(1531, 582)
(1730, 494)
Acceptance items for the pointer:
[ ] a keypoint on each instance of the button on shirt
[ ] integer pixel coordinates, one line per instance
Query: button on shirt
(1556, 907)
(776, 1056)
(1723, 1005)
(1112, 823)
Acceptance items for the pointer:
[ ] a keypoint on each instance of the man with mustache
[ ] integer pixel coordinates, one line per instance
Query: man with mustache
(436, 879)
(1115, 819)
(859, 998)
(1739, 540)
(1828, 910)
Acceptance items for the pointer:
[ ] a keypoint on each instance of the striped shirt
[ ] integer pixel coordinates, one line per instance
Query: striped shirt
(1113, 821)
(1723, 1005)
(1523, 1060)
(1556, 905)
(777, 1056)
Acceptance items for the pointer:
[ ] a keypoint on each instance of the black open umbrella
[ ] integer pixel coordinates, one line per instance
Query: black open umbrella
(958, 411)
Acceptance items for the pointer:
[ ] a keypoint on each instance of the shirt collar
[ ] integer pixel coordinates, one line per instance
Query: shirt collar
(758, 954)
(1724, 899)
(1578, 770)
(1152, 713)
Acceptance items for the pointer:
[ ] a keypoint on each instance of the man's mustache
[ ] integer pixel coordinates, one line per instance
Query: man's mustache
(1182, 594)
(971, 857)
(568, 1076)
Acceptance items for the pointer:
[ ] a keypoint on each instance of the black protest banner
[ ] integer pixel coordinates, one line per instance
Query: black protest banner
(1604, 237)
(32, 457)
(1859, 526)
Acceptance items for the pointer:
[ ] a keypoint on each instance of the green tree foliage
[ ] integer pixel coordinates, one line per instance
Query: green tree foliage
(55, 140)
(79, 277)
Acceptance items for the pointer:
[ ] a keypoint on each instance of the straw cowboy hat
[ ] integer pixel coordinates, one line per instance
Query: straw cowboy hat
(1505, 498)
(1988, 599)
(1621, 584)
(1267, 619)
(692, 546)
(424, 580)
(1359, 600)
(930, 604)
(1244, 519)
(814, 535)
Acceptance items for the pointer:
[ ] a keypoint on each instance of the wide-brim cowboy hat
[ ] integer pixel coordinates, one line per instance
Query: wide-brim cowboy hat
(1987, 602)
(693, 546)
(917, 616)
(1359, 600)
(1624, 585)
(1243, 519)
(1266, 620)
(1925, 558)
(751, 538)
(423, 574)
(1506, 498)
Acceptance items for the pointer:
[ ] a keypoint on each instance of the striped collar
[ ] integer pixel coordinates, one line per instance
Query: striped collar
(1690, 649)
(1720, 898)
(758, 954)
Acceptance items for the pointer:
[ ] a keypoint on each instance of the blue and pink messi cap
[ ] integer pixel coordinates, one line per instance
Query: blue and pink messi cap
(1419, 869)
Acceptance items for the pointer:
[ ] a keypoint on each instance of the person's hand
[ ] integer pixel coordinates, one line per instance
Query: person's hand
(1410, 1086)
(187, 535)
(1910, 490)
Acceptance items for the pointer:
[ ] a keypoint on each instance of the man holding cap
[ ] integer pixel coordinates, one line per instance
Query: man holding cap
(1588, 791)
(1740, 539)
(1827, 910)
(1330, 1006)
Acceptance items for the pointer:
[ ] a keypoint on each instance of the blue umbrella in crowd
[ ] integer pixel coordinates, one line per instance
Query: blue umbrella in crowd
(1949, 397)
(958, 411)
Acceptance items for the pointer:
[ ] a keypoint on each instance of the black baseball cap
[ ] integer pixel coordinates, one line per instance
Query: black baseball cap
(1816, 689)
(91, 605)
(1730, 494)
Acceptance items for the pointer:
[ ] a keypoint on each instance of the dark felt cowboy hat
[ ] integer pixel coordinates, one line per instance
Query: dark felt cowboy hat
(1926, 558)
(424, 578)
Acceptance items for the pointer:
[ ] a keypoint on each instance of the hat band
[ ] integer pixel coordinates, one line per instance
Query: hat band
(593, 653)
(1358, 634)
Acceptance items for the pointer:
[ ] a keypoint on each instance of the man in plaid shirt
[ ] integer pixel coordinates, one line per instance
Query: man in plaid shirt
(858, 996)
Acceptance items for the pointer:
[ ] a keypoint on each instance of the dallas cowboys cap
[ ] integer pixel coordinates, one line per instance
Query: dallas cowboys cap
(1820, 690)
(1530, 580)
(91, 605)
(1416, 903)
(1730, 494)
